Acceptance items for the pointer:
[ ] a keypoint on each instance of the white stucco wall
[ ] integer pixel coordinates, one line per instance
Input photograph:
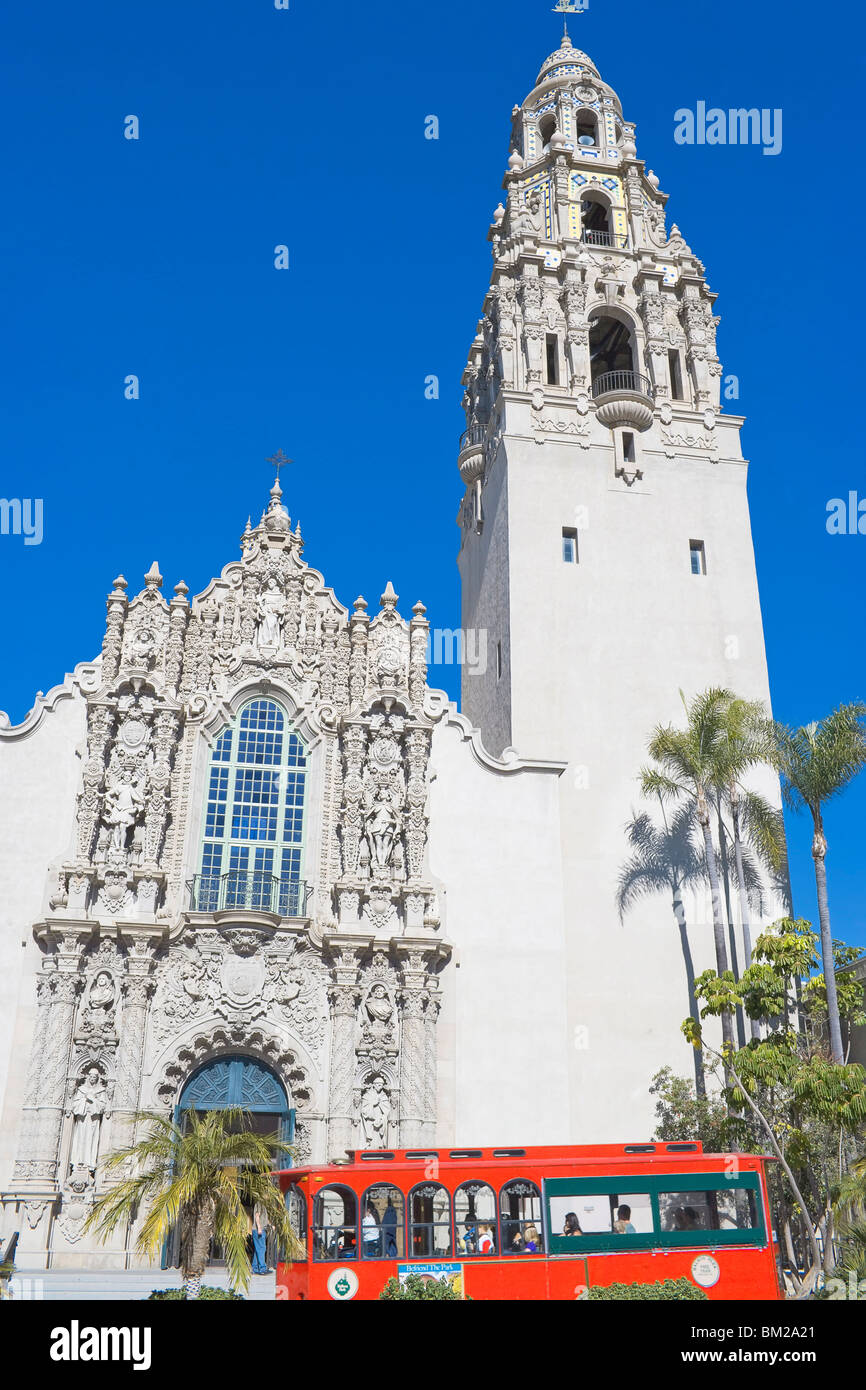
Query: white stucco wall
(503, 1035)
(39, 781)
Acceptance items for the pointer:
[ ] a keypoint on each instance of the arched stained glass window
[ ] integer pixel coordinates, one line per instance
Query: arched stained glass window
(253, 846)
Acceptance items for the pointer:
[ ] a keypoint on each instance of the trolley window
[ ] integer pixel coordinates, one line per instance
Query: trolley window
(382, 1223)
(429, 1221)
(520, 1218)
(335, 1224)
(475, 1219)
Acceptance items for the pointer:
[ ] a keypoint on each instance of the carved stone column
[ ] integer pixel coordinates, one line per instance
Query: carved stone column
(344, 995)
(431, 1014)
(413, 1044)
(137, 988)
(51, 1100)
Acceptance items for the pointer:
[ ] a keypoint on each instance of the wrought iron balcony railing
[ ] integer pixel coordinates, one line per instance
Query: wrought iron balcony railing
(619, 240)
(249, 890)
(621, 381)
(472, 438)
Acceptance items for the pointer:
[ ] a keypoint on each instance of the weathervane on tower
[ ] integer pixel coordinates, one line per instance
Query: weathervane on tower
(570, 7)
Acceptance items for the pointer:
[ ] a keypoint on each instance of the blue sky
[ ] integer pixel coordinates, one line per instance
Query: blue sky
(306, 127)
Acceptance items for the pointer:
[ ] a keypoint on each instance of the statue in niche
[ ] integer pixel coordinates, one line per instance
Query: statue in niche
(375, 1113)
(379, 1013)
(124, 803)
(88, 1107)
(101, 1001)
(271, 616)
(383, 827)
(525, 220)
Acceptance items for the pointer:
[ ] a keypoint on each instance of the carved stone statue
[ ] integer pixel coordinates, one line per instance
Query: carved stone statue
(271, 611)
(124, 803)
(88, 1108)
(383, 827)
(375, 1114)
(100, 1004)
(379, 1012)
(524, 217)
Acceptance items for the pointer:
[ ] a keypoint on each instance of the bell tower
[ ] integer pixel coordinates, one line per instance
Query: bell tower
(606, 548)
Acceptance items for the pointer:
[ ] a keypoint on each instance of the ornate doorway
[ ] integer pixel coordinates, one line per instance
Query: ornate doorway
(234, 1082)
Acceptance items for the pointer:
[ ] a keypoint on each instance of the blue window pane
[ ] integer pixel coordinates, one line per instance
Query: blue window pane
(260, 766)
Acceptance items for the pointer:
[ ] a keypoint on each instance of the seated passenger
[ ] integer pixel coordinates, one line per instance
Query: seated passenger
(370, 1232)
(516, 1243)
(623, 1226)
(346, 1247)
(531, 1239)
(572, 1225)
(686, 1219)
(486, 1243)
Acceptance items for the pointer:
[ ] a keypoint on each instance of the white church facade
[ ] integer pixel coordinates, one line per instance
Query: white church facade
(251, 855)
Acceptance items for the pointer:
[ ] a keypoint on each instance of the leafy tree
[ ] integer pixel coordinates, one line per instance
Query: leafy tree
(681, 1114)
(200, 1176)
(817, 762)
(806, 1106)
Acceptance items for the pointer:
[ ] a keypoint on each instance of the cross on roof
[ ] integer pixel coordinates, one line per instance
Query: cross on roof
(278, 459)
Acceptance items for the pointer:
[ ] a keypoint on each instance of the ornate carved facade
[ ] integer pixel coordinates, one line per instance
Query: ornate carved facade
(156, 958)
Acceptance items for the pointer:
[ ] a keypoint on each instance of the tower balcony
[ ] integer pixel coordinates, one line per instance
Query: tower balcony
(592, 237)
(470, 456)
(623, 399)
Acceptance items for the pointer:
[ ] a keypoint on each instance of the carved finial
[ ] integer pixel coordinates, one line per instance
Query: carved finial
(419, 609)
(120, 584)
(153, 578)
(389, 598)
(181, 589)
(360, 604)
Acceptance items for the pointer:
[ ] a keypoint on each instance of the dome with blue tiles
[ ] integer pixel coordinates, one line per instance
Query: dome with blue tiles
(567, 59)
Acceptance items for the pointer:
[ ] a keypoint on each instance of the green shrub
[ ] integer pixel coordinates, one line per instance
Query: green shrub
(208, 1293)
(677, 1289)
(417, 1287)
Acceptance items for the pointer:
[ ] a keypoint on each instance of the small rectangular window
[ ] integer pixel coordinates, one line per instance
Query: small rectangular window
(676, 374)
(728, 1209)
(552, 359)
(698, 557)
(498, 660)
(569, 545)
(628, 455)
(601, 1214)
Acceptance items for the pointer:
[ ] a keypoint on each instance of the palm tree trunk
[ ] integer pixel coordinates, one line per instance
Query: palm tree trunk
(754, 1029)
(195, 1256)
(718, 924)
(679, 913)
(725, 876)
(819, 851)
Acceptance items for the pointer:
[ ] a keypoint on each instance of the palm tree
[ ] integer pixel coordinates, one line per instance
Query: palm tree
(200, 1176)
(687, 768)
(665, 860)
(745, 742)
(816, 763)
